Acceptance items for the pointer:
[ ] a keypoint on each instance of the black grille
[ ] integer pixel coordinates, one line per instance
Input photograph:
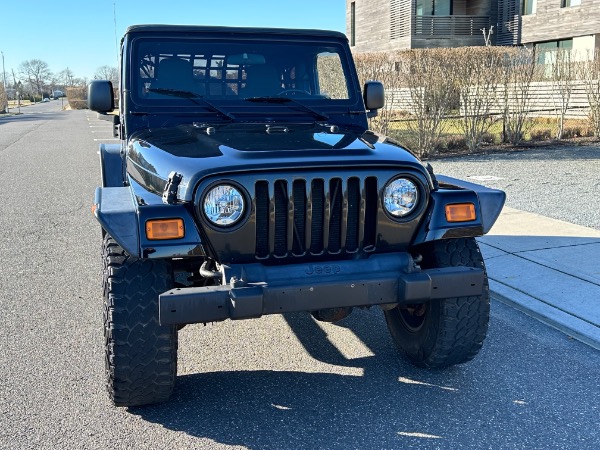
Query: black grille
(316, 216)
(262, 218)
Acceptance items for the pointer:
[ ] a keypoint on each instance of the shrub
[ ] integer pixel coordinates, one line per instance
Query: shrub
(541, 135)
(456, 143)
(77, 97)
(487, 138)
(431, 93)
(571, 132)
(3, 100)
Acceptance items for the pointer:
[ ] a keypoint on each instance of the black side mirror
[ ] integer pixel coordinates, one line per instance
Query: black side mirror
(374, 97)
(100, 96)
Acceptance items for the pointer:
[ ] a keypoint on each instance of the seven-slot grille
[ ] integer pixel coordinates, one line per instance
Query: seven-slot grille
(296, 217)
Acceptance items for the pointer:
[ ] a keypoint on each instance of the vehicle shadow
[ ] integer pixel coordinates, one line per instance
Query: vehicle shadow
(287, 409)
(391, 405)
(32, 117)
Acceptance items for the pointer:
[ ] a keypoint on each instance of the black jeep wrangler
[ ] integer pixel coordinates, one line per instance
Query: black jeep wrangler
(247, 183)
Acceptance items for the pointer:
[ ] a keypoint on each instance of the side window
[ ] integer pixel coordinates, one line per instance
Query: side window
(330, 74)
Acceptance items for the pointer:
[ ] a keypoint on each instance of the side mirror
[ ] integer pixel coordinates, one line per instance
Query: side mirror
(374, 97)
(100, 96)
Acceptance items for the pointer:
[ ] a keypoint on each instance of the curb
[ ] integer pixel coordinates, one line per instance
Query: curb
(546, 313)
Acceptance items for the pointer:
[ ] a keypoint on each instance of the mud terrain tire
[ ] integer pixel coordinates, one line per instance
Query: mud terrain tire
(444, 332)
(141, 356)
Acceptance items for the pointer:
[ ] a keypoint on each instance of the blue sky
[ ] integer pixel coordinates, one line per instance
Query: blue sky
(80, 34)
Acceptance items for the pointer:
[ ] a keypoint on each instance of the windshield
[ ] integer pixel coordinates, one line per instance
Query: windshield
(173, 72)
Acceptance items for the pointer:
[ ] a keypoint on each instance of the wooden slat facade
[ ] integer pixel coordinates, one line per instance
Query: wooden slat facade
(387, 25)
(551, 22)
(508, 31)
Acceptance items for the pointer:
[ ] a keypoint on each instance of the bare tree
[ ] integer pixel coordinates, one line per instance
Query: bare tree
(107, 73)
(518, 70)
(66, 77)
(476, 72)
(589, 72)
(37, 73)
(562, 73)
(431, 87)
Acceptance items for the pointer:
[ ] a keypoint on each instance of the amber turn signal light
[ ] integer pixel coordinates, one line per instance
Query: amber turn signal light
(460, 212)
(164, 229)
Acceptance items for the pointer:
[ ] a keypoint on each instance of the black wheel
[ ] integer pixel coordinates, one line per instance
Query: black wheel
(141, 356)
(445, 332)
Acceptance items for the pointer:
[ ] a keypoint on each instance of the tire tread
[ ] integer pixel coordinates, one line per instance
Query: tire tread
(455, 334)
(141, 355)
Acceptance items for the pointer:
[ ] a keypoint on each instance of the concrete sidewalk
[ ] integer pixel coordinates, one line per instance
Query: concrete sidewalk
(549, 269)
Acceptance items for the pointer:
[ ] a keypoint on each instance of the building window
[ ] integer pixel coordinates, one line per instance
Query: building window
(353, 24)
(568, 3)
(546, 51)
(442, 7)
(530, 6)
(434, 7)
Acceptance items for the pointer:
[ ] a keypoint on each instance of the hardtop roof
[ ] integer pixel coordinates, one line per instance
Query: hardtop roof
(202, 29)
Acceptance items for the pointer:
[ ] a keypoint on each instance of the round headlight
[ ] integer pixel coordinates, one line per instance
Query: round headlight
(400, 197)
(223, 205)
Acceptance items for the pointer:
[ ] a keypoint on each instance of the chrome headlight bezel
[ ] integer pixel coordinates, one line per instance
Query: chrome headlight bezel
(231, 197)
(401, 197)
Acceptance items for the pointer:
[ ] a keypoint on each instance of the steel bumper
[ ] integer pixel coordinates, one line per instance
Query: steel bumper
(255, 290)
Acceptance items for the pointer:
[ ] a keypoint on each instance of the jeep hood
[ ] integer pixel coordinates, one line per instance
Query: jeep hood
(197, 151)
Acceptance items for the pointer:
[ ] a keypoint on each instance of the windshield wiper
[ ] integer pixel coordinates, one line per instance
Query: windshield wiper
(193, 97)
(317, 114)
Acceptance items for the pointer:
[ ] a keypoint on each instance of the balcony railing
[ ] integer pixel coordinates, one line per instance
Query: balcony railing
(445, 27)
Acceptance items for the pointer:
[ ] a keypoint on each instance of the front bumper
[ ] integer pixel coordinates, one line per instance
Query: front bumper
(255, 290)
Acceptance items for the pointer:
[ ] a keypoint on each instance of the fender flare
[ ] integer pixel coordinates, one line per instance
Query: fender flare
(112, 165)
(115, 209)
(488, 205)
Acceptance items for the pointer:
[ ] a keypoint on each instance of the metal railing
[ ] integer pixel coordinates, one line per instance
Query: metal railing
(449, 26)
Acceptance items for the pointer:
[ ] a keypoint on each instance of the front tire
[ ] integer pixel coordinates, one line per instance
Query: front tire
(141, 355)
(442, 333)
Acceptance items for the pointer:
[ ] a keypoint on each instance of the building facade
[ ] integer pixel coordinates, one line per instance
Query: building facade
(386, 25)
(553, 24)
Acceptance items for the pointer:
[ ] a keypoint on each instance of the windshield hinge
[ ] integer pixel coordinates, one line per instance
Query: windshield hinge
(170, 193)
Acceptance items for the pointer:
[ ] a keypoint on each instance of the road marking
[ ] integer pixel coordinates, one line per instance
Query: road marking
(419, 435)
(421, 383)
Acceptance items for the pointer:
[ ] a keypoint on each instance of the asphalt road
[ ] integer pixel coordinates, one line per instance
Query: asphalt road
(272, 383)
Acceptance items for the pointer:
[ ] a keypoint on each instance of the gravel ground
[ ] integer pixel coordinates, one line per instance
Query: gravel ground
(562, 182)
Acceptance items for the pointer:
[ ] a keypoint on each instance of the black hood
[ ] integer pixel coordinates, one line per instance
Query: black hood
(196, 151)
